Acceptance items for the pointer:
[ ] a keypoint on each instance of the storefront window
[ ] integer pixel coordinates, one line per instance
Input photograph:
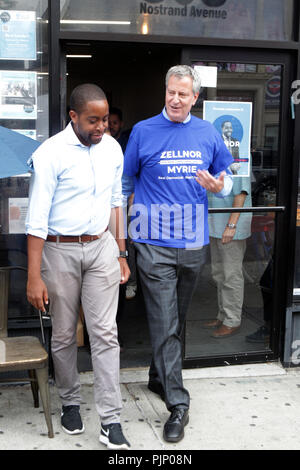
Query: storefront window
(23, 108)
(236, 284)
(238, 19)
(297, 253)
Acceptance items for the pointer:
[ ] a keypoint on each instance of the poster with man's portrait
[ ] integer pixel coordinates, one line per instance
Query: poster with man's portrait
(232, 119)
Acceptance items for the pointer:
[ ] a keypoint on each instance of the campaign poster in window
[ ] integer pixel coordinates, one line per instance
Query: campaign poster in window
(17, 207)
(232, 119)
(17, 35)
(18, 95)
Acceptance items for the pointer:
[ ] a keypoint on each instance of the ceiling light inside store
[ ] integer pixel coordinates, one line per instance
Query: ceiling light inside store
(95, 22)
(145, 28)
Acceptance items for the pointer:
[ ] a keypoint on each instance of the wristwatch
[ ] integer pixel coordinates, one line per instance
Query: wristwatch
(231, 225)
(123, 254)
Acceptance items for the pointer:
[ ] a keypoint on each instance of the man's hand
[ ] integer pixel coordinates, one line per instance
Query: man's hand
(209, 182)
(125, 271)
(228, 235)
(37, 293)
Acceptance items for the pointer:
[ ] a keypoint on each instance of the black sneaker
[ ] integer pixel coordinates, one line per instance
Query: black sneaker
(71, 419)
(262, 335)
(112, 436)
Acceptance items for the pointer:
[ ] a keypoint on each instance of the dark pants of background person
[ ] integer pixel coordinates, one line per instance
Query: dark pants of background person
(168, 278)
(266, 283)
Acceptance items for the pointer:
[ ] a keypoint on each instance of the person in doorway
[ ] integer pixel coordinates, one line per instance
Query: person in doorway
(228, 237)
(262, 334)
(116, 126)
(115, 122)
(73, 258)
(174, 157)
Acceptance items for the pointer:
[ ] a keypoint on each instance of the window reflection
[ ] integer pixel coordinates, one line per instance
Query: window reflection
(228, 239)
(297, 253)
(13, 244)
(251, 259)
(235, 288)
(14, 191)
(259, 85)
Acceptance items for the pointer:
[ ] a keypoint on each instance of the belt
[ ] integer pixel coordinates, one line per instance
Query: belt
(73, 239)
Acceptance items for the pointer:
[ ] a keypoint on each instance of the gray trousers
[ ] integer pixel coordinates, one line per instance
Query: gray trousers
(86, 273)
(168, 278)
(227, 272)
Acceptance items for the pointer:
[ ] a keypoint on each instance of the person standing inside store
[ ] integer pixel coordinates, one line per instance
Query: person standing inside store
(73, 258)
(175, 158)
(228, 238)
(115, 126)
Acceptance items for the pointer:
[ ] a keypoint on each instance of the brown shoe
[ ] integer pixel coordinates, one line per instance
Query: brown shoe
(212, 324)
(225, 331)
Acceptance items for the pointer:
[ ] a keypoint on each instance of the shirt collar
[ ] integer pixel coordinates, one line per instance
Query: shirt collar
(71, 137)
(187, 119)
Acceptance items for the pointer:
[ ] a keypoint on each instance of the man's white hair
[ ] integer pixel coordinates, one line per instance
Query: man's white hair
(181, 71)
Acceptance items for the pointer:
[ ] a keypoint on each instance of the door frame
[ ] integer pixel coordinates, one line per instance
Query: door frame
(284, 209)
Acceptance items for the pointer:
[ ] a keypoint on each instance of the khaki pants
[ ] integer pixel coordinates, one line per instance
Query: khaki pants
(87, 274)
(227, 272)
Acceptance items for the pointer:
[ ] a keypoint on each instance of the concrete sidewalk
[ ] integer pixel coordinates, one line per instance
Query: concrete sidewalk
(254, 407)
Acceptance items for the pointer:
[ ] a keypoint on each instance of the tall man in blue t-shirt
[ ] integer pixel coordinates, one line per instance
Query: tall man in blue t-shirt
(175, 158)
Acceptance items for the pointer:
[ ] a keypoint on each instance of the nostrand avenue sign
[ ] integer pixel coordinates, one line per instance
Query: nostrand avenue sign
(184, 8)
(209, 3)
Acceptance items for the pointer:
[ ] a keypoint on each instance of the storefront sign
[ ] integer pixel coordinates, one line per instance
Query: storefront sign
(17, 35)
(18, 95)
(235, 19)
(199, 11)
(233, 121)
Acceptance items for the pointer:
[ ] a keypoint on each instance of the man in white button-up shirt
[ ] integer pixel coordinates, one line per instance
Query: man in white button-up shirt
(73, 259)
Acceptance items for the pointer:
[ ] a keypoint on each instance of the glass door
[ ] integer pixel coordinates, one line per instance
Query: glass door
(239, 304)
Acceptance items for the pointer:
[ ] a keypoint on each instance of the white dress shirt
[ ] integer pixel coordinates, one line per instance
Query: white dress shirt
(73, 187)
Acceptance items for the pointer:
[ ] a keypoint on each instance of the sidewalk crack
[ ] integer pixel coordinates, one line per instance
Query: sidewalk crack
(147, 420)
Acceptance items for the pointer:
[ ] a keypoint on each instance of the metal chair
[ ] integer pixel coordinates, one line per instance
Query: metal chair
(23, 353)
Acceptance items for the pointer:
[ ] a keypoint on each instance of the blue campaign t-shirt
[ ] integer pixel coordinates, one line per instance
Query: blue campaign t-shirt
(170, 207)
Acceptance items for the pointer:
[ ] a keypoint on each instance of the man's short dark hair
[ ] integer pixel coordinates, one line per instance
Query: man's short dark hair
(117, 112)
(224, 122)
(84, 93)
